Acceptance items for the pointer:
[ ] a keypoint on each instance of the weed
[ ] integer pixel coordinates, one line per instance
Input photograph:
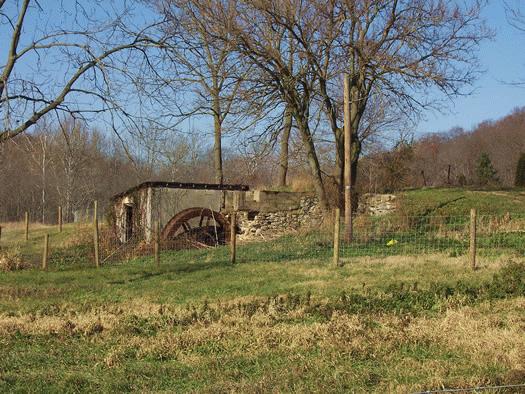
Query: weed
(11, 260)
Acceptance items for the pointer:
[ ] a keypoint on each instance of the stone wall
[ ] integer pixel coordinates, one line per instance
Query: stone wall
(301, 211)
(377, 204)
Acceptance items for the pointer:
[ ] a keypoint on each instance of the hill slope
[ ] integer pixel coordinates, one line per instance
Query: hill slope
(457, 202)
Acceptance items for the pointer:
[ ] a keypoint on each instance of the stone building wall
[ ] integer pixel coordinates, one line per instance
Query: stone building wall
(152, 204)
(303, 211)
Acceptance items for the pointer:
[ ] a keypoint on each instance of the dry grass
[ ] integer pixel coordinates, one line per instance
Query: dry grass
(457, 348)
(11, 260)
(301, 183)
(21, 226)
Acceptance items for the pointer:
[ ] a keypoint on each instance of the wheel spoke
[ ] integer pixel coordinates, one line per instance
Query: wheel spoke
(201, 225)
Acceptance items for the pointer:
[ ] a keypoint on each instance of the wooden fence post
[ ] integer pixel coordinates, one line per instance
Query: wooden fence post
(233, 236)
(473, 222)
(95, 233)
(157, 243)
(60, 219)
(27, 225)
(46, 252)
(337, 232)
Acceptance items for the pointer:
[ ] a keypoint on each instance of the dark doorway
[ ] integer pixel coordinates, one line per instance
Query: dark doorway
(128, 222)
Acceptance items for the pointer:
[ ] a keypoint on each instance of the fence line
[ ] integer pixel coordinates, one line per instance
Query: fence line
(456, 235)
(471, 236)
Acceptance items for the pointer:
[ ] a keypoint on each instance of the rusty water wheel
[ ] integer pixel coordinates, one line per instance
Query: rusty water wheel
(196, 228)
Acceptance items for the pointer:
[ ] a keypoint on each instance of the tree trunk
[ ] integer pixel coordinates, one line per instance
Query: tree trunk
(217, 145)
(283, 154)
(69, 189)
(353, 169)
(357, 106)
(354, 108)
(313, 162)
(44, 180)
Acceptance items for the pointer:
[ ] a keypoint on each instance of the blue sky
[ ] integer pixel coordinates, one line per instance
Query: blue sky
(492, 97)
(504, 61)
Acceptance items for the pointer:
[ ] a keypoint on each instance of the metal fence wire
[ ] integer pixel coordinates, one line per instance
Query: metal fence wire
(374, 236)
(414, 235)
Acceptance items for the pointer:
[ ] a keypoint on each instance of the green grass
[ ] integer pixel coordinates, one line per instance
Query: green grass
(66, 248)
(279, 320)
(458, 202)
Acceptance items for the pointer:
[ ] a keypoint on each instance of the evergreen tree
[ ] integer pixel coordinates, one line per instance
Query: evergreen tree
(520, 172)
(486, 171)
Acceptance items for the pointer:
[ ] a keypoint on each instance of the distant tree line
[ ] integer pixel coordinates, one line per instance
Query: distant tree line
(70, 165)
(492, 154)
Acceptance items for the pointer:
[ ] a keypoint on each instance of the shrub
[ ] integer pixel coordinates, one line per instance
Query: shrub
(487, 174)
(11, 260)
(520, 171)
(509, 281)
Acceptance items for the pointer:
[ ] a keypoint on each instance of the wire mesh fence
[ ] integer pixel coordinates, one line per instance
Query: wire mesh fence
(18, 250)
(415, 235)
(372, 236)
(113, 249)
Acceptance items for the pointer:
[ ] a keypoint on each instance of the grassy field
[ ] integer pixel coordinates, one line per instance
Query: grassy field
(280, 320)
(283, 319)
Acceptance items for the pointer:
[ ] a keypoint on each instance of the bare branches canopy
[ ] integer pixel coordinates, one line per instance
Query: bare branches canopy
(241, 59)
(406, 51)
(70, 59)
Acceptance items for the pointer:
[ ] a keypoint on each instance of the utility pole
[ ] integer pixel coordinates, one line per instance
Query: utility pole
(347, 162)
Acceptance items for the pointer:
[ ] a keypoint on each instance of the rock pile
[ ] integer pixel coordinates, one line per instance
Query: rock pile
(377, 204)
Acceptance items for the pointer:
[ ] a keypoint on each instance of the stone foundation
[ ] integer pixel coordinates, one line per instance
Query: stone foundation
(302, 212)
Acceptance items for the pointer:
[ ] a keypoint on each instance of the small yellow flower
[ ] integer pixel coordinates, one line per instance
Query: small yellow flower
(392, 242)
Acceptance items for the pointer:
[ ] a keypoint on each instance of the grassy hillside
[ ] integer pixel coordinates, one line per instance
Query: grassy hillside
(279, 320)
(457, 201)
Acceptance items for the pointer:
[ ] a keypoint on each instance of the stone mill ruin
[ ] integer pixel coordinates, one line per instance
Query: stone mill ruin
(199, 214)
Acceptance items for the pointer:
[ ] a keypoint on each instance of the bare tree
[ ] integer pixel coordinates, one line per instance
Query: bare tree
(72, 154)
(39, 147)
(395, 51)
(206, 69)
(65, 59)
(250, 27)
(411, 52)
(515, 11)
